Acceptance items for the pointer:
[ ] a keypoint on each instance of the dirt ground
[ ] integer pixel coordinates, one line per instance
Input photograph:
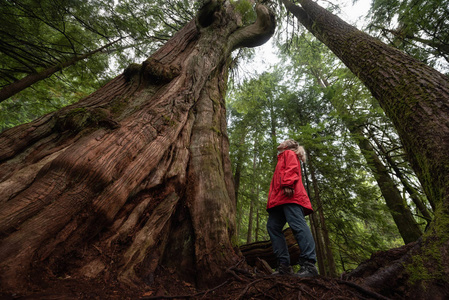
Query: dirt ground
(238, 286)
(242, 283)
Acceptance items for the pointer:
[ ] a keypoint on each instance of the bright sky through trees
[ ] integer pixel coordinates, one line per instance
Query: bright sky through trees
(265, 55)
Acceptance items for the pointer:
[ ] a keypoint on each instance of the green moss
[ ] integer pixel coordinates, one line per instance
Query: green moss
(80, 118)
(216, 130)
(118, 105)
(131, 70)
(441, 223)
(429, 265)
(245, 9)
(168, 120)
(419, 272)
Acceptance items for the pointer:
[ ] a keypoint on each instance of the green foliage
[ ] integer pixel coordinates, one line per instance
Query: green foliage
(419, 27)
(42, 98)
(245, 9)
(36, 35)
(307, 105)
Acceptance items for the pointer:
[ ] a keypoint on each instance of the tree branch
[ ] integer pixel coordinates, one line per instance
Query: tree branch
(255, 34)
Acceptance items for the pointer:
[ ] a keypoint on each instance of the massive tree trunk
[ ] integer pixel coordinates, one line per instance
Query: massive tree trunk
(416, 98)
(135, 176)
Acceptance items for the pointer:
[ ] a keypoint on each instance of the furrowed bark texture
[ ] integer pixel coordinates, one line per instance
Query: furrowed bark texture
(416, 98)
(133, 177)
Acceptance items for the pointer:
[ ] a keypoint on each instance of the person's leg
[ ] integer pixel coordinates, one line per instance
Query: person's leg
(275, 224)
(294, 215)
(295, 218)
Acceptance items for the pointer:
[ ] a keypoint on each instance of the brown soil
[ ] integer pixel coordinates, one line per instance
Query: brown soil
(241, 284)
(258, 287)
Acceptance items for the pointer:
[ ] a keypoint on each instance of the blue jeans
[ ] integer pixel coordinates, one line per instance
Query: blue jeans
(292, 214)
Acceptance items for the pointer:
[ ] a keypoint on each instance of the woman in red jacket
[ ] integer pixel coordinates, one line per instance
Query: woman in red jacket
(288, 203)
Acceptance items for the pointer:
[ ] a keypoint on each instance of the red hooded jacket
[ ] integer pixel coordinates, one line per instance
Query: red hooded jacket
(288, 174)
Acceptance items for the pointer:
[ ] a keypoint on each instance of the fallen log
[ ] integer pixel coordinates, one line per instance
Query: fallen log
(263, 250)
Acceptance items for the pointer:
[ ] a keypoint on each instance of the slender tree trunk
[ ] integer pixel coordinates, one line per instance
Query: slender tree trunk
(237, 176)
(139, 169)
(256, 233)
(327, 250)
(238, 167)
(319, 245)
(414, 195)
(416, 98)
(274, 142)
(402, 216)
(253, 197)
(316, 229)
(249, 236)
(31, 79)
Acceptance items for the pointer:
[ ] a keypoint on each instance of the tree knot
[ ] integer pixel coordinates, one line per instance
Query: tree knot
(159, 72)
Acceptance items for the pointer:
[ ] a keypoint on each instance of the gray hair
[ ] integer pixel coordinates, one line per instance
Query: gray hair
(299, 150)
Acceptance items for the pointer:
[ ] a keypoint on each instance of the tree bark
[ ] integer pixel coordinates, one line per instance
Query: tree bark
(416, 98)
(139, 170)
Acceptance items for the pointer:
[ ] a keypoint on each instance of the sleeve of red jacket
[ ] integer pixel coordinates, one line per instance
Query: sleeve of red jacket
(291, 171)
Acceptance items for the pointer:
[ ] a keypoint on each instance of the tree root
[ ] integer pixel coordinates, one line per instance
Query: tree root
(363, 290)
(246, 285)
(203, 293)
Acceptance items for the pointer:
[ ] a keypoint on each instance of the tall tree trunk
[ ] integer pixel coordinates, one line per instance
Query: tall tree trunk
(274, 142)
(139, 169)
(316, 229)
(249, 234)
(416, 197)
(331, 269)
(253, 197)
(402, 216)
(238, 166)
(319, 244)
(237, 177)
(256, 233)
(416, 98)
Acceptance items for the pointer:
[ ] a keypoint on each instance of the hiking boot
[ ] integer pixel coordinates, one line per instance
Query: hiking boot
(307, 269)
(283, 269)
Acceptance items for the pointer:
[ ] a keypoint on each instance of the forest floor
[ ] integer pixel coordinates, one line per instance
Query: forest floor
(266, 287)
(241, 284)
